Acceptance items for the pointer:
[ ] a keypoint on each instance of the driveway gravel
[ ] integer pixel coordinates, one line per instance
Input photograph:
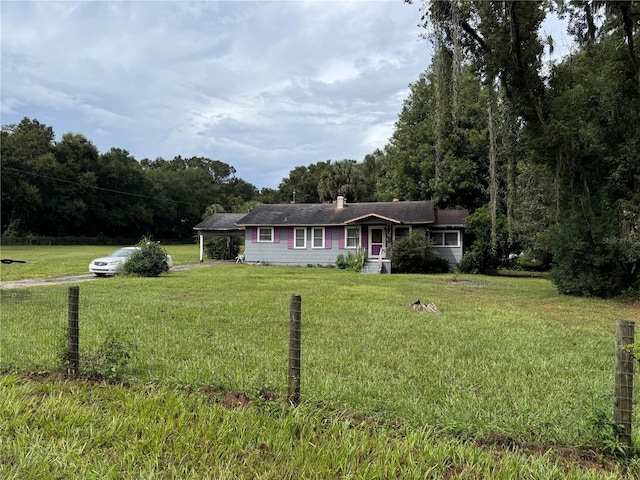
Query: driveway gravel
(39, 282)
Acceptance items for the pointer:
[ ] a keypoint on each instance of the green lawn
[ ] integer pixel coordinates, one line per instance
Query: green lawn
(60, 260)
(388, 392)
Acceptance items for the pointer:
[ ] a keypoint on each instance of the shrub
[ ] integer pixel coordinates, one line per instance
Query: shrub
(149, 261)
(352, 261)
(416, 254)
(112, 358)
(478, 259)
(217, 248)
(585, 264)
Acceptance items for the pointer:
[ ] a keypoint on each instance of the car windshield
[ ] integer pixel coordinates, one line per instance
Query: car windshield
(123, 252)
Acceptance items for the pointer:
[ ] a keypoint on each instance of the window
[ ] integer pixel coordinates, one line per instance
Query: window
(300, 238)
(265, 234)
(352, 237)
(445, 239)
(401, 232)
(318, 237)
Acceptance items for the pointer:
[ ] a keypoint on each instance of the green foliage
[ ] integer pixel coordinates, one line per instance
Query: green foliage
(112, 358)
(137, 431)
(301, 185)
(149, 261)
(217, 249)
(606, 432)
(481, 256)
(353, 261)
(585, 263)
(69, 189)
(416, 254)
(31, 239)
(343, 178)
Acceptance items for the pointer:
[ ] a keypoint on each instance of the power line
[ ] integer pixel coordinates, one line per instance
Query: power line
(97, 188)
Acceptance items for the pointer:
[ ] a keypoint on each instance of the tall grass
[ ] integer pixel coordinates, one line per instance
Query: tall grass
(504, 355)
(75, 430)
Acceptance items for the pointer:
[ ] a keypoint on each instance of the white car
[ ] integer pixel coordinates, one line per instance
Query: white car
(114, 262)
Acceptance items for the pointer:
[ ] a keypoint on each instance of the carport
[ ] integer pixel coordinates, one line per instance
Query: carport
(219, 225)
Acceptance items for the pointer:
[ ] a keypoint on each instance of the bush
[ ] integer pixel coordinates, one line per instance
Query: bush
(111, 360)
(217, 249)
(352, 261)
(416, 254)
(478, 259)
(149, 261)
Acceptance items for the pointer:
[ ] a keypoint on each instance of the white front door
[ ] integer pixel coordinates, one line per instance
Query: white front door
(377, 241)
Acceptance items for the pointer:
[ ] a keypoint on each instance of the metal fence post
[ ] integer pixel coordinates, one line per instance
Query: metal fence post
(295, 328)
(622, 413)
(73, 332)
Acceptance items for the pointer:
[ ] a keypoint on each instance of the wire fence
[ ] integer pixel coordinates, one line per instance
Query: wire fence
(37, 336)
(57, 329)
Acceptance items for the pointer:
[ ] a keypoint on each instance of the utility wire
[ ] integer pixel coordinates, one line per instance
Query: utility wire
(95, 187)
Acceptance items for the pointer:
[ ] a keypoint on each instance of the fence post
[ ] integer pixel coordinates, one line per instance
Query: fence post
(295, 328)
(624, 381)
(73, 332)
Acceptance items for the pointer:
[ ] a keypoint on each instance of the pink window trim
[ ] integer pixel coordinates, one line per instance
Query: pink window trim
(341, 239)
(254, 234)
(327, 238)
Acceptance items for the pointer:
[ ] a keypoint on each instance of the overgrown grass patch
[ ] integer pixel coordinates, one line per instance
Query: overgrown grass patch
(71, 429)
(507, 357)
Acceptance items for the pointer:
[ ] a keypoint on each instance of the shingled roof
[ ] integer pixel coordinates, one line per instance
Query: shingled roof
(221, 222)
(417, 212)
(451, 218)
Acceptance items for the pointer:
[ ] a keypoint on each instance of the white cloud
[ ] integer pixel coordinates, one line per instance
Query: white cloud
(263, 86)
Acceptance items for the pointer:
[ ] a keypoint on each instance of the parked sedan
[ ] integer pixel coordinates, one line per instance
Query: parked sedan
(114, 262)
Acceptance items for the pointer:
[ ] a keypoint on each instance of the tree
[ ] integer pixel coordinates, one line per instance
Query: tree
(578, 135)
(183, 188)
(302, 184)
(459, 177)
(592, 148)
(74, 196)
(26, 156)
(343, 178)
(125, 209)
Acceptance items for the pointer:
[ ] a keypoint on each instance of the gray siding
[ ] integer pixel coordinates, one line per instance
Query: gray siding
(280, 252)
(453, 254)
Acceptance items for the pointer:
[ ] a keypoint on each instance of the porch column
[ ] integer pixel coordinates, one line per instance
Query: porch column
(201, 248)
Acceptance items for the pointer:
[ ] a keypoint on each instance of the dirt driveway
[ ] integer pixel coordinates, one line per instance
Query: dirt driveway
(38, 282)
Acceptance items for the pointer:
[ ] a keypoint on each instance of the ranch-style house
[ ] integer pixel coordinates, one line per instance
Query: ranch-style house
(316, 233)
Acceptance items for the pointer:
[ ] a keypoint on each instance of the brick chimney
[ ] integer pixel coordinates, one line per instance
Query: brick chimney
(340, 202)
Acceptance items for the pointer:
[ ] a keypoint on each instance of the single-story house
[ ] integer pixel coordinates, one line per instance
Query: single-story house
(315, 234)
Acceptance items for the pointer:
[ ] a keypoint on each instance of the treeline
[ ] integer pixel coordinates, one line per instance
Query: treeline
(545, 156)
(68, 188)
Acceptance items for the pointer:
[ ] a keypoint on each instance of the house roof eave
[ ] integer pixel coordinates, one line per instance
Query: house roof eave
(372, 215)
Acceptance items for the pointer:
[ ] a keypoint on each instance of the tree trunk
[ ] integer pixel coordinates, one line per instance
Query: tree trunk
(493, 177)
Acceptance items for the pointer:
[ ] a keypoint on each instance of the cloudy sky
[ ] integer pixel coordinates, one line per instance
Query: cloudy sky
(263, 86)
